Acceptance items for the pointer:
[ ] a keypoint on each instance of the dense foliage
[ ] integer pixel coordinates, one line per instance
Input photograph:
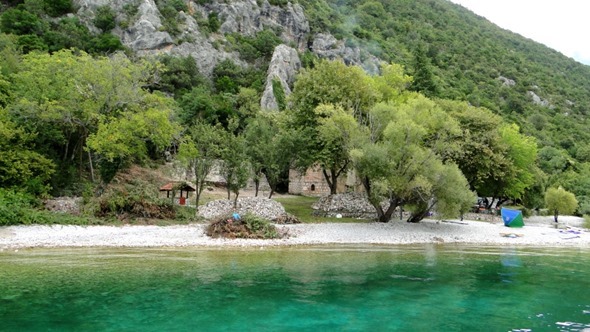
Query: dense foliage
(462, 107)
(454, 54)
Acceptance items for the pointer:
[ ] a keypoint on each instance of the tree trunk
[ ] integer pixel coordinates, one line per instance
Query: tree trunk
(91, 167)
(256, 186)
(555, 214)
(270, 193)
(197, 198)
(421, 212)
(388, 213)
(236, 199)
(417, 217)
(332, 181)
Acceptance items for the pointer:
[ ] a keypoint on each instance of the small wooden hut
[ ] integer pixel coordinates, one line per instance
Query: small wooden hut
(183, 189)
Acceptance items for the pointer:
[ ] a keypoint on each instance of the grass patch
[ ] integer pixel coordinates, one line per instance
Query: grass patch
(300, 207)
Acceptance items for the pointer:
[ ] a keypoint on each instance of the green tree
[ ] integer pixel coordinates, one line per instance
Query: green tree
(66, 97)
(19, 21)
(21, 168)
(235, 166)
(331, 82)
(128, 137)
(560, 201)
(497, 160)
(398, 162)
(201, 104)
(336, 131)
(424, 79)
(522, 153)
(271, 145)
(58, 7)
(198, 152)
(347, 93)
(179, 75)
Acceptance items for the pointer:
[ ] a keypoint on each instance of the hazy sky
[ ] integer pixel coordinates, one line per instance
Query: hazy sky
(563, 25)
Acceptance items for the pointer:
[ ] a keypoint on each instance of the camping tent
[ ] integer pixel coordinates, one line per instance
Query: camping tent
(512, 218)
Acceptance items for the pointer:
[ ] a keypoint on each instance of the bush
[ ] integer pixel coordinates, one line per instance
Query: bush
(248, 226)
(21, 22)
(124, 205)
(105, 18)
(21, 208)
(58, 7)
(105, 43)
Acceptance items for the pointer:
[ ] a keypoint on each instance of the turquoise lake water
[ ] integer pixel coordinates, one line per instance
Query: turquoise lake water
(349, 288)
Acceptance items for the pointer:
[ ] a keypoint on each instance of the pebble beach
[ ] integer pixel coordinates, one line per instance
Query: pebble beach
(539, 232)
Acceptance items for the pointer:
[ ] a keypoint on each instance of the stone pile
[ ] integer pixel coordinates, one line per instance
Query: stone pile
(261, 207)
(352, 205)
(70, 205)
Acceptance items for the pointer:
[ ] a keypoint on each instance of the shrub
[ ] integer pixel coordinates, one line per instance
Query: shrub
(58, 7)
(21, 22)
(105, 43)
(248, 226)
(105, 18)
(123, 205)
(21, 208)
(213, 22)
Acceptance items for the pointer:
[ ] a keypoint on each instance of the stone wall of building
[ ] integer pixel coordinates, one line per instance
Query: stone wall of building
(312, 183)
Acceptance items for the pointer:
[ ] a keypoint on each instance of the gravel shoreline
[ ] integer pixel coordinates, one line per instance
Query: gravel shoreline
(536, 233)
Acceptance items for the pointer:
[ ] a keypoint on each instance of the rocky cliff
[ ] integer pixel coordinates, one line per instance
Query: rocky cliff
(140, 26)
(283, 67)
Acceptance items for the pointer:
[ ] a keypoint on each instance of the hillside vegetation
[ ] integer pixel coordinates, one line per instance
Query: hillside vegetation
(77, 106)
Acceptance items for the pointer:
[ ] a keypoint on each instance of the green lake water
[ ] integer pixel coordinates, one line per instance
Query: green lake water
(348, 288)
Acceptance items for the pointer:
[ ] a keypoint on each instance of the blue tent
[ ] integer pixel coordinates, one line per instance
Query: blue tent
(512, 218)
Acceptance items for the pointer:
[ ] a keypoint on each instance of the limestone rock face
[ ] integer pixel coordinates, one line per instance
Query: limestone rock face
(283, 67)
(144, 33)
(327, 46)
(247, 17)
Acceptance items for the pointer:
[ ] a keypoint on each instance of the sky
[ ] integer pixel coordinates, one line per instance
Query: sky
(562, 25)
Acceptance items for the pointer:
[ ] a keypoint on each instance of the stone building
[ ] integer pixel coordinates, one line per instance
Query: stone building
(313, 183)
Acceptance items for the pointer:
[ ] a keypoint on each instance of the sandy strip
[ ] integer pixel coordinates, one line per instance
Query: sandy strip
(464, 232)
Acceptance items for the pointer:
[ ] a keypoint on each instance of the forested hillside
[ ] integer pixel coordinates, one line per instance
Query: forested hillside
(88, 89)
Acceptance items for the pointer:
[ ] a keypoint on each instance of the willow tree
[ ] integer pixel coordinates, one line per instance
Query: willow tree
(400, 162)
